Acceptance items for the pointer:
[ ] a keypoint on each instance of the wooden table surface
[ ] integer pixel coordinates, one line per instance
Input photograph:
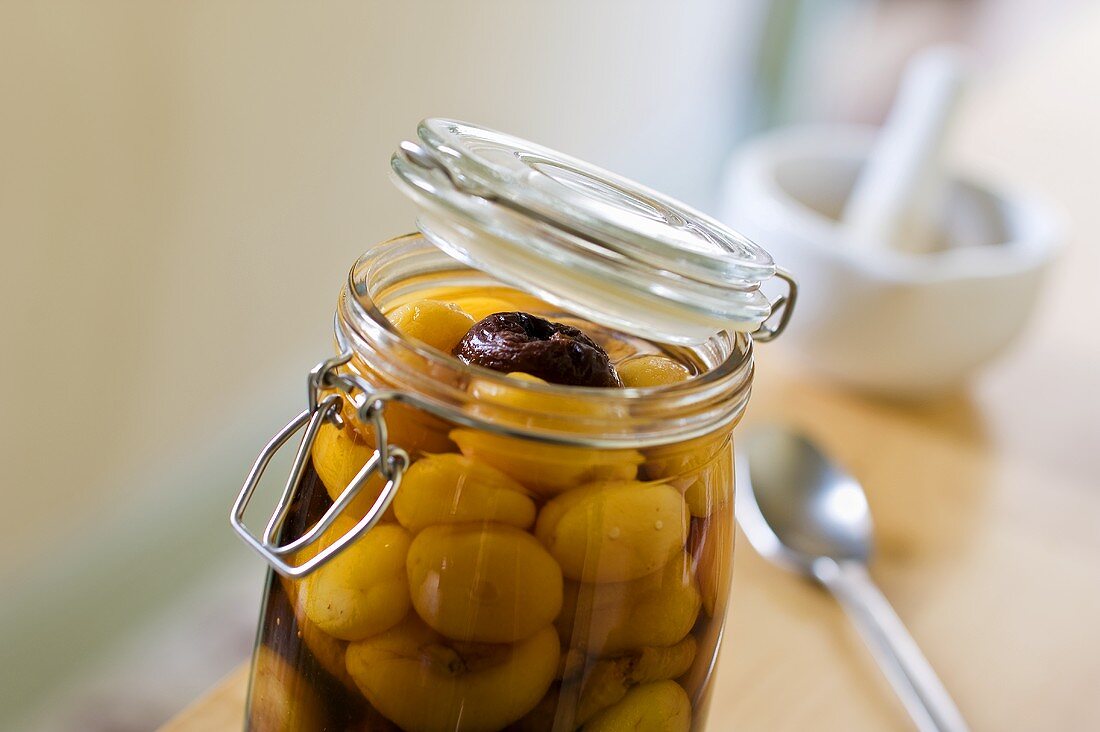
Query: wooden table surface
(986, 504)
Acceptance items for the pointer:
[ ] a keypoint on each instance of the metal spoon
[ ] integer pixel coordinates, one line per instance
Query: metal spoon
(805, 513)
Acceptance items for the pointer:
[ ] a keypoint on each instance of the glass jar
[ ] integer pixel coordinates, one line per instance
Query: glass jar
(463, 549)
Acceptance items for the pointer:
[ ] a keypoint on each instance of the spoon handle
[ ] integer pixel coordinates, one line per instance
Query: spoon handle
(908, 671)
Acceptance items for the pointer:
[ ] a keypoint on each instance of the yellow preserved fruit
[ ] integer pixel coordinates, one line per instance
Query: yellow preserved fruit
(328, 651)
(702, 469)
(607, 681)
(525, 406)
(614, 531)
(410, 428)
(439, 324)
(658, 609)
(712, 550)
(662, 706)
(452, 488)
(489, 584)
(651, 370)
(481, 302)
(426, 683)
(338, 455)
(364, 589)
(544, 468)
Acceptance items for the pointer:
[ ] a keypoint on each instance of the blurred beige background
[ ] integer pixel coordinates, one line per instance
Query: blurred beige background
(184, 185)
(182, 189)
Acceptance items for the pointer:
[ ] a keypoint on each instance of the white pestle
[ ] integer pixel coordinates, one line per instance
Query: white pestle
(898, 196)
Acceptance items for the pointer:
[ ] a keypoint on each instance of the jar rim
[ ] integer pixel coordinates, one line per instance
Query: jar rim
(695, 407)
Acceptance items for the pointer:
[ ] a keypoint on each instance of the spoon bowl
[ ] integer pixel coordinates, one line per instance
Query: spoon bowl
(796, 505)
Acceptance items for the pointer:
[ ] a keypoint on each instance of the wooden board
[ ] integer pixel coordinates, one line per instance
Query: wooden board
(222, 708)
(986, 505)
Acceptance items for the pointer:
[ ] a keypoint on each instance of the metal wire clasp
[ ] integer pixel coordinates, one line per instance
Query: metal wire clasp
(784, 305)
(388, 460)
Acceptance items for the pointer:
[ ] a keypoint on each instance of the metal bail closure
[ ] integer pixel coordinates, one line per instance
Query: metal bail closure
(388, 460)
(784, 305)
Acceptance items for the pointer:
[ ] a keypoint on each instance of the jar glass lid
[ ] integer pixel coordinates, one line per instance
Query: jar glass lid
(598, 244)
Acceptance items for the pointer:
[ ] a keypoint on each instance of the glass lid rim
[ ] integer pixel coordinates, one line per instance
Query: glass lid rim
(435, 195)
(731, 255)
